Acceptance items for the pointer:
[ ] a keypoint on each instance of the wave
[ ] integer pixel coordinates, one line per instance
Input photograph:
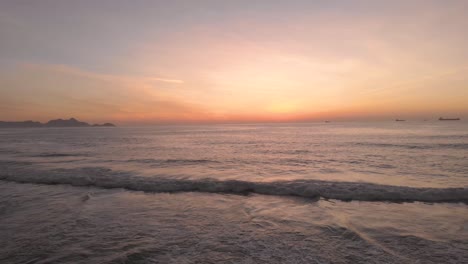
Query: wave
(57, 155)
(180, 161)
(345, 191)
(461, 146)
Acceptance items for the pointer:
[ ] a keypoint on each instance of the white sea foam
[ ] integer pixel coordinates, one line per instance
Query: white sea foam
(346, 191)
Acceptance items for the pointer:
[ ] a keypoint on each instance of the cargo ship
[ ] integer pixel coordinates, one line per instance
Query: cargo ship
(448, 119)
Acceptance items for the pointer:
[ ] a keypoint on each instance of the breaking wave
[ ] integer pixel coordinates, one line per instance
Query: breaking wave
(462, 146)
(346, 191)
(57, 155)
(173, 161)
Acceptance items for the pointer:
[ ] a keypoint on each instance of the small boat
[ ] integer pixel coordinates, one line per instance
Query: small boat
(448, 119)
(400, 120)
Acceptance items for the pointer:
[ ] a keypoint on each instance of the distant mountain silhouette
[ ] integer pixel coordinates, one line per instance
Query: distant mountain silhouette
(72, 122)
(104, 125)
(20, 124)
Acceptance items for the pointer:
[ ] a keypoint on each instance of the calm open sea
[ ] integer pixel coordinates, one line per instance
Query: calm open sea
(376, 192)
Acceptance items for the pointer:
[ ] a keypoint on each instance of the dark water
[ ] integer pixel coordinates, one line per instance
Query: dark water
(285, 193)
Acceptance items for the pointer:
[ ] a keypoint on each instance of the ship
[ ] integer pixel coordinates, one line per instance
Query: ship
(448, 119)
(400, 120)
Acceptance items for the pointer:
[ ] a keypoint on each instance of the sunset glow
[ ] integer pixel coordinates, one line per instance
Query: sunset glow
(242, 61)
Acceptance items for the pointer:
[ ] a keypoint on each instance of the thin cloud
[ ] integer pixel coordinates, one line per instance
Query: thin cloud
(415, 82)
(104, 77)
(165, 80)
(45, 91)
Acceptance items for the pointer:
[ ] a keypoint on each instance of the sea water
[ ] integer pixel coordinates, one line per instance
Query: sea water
(344, 192)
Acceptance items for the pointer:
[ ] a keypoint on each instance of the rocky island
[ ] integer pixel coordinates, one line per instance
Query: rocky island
(72, 122)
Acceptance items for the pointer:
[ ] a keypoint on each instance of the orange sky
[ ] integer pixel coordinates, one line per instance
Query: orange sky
(265, 61)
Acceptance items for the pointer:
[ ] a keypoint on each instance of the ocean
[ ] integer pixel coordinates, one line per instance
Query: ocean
(340, 192)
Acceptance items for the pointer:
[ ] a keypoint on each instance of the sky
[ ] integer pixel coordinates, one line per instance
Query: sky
(149, 62)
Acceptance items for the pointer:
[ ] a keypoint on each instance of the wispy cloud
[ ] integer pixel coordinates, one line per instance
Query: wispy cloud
(417, 81)
(165, 80)
(101, 76)
(48, 91)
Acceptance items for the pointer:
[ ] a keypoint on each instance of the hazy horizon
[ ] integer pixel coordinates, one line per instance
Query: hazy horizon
(159, 62)
(138, 123)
